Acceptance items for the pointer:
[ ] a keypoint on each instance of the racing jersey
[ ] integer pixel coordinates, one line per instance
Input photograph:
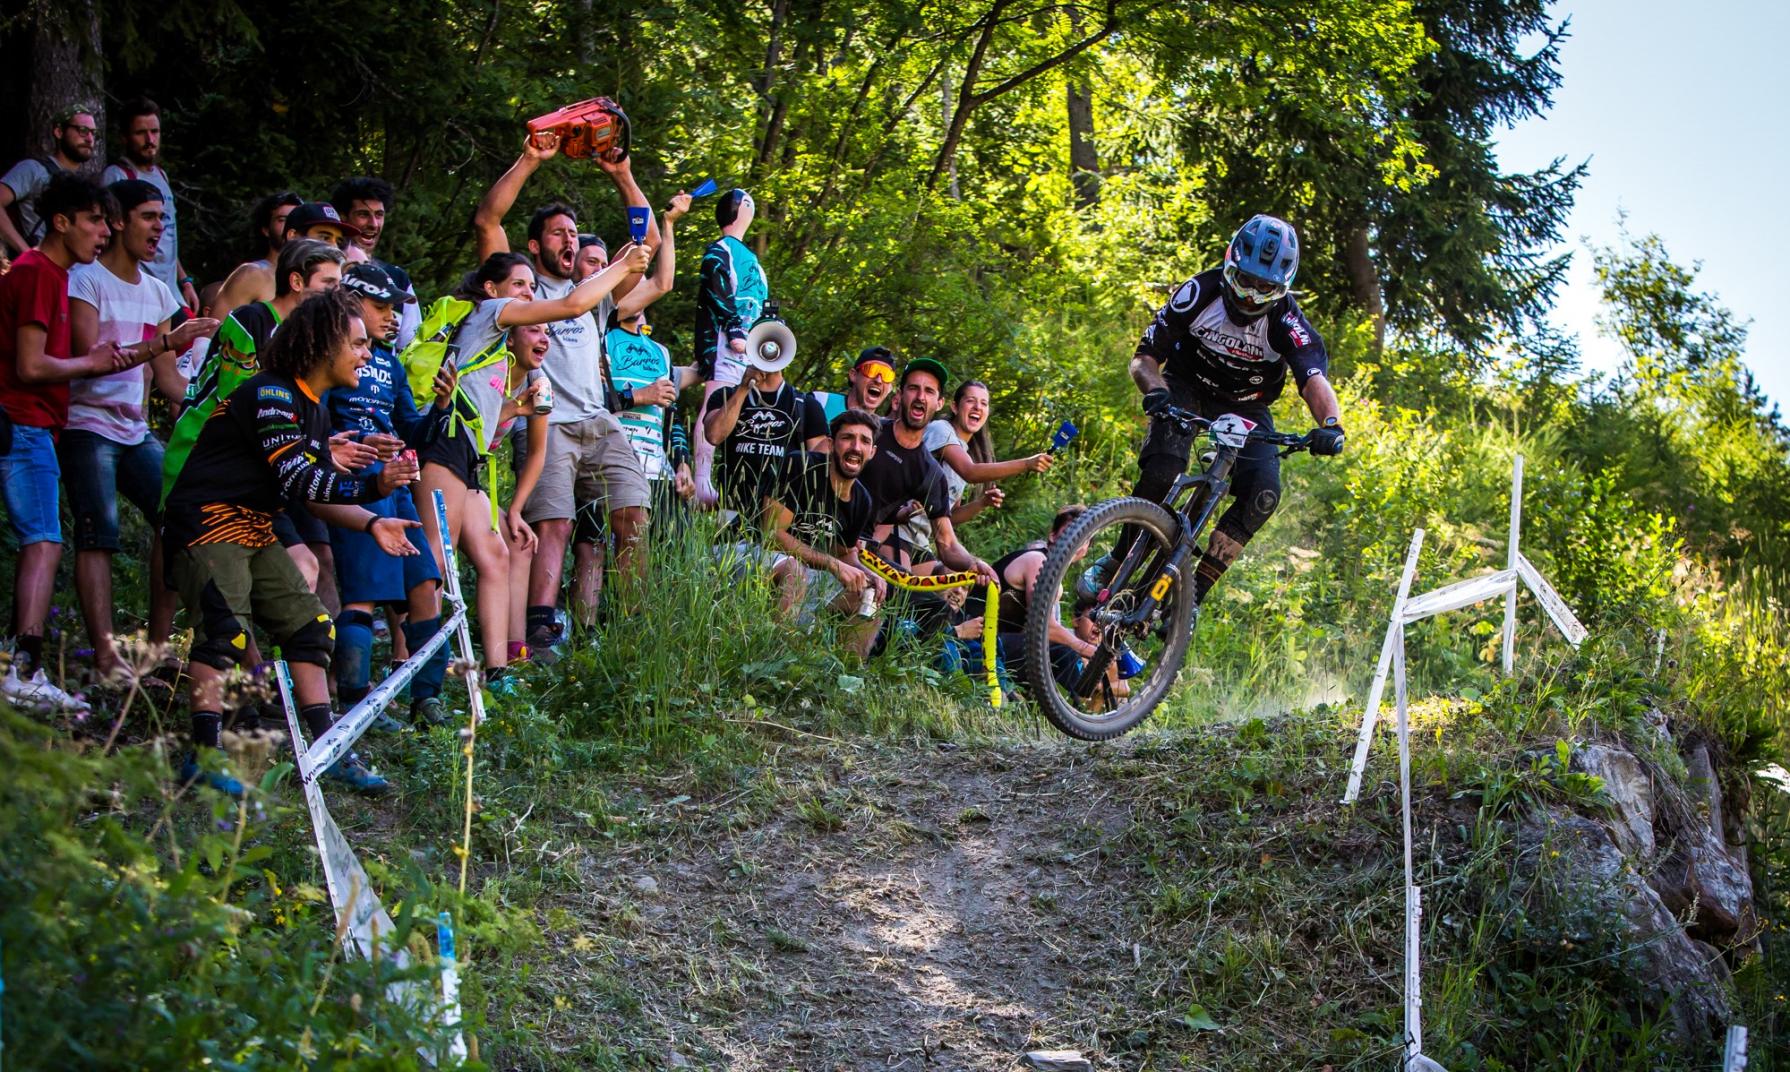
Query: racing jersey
(1194, 339)
(382, 403)
(635, 360)
(234, 356)
(732, 296)
(265, 444)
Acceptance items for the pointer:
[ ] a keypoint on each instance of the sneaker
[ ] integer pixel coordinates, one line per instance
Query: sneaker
(220, 781)
(36, 693)
(540, 646)
(429, 711)
(385, 723)
(504, 688)
(1094, 579)
(353, 772)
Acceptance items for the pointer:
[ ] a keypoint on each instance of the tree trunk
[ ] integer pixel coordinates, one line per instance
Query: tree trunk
(1084, 165)
(65, 70)
(1364, 280)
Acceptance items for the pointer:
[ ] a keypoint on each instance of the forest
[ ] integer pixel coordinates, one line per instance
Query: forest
(1013, 187)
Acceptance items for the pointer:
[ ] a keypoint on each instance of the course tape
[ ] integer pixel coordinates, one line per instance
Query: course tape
(938, 582)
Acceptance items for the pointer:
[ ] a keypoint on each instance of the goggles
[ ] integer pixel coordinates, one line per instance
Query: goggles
(1252, 291)
(878, 370)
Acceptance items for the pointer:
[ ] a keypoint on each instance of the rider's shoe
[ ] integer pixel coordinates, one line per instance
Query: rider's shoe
(428, 712)
(220, 781)
(1094, 579)
(353, 772)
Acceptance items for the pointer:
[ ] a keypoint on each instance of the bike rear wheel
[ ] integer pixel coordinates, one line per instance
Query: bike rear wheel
(1083, 697)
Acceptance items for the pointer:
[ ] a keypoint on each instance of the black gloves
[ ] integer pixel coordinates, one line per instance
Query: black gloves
(1156, 400)
(1327, 441)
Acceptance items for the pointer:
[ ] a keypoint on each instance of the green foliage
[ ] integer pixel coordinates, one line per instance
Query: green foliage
(137, 934)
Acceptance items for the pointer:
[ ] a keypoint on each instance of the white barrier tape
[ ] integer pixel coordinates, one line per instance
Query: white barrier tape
(450, 985)
(1459, 594)
(1557, 610)
(1734, 1057)
(349, 726)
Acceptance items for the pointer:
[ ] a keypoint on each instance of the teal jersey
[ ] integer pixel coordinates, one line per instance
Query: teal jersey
(832, 403)
(733, 295)
(635, 360)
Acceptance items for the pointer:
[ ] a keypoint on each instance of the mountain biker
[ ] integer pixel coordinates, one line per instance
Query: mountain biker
(1224, 344)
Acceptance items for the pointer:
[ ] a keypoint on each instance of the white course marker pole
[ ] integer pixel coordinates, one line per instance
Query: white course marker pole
(1359, 764)
(1510, 601)
(1734, 1057)
(1413, 896)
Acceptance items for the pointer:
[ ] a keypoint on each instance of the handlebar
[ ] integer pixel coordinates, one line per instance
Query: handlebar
(1192, 423)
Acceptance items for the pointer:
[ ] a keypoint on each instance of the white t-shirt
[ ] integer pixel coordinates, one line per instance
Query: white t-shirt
(939, 435)
(574, 362)
(113, 405)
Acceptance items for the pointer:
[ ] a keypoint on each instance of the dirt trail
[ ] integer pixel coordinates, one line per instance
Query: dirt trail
(881, 917)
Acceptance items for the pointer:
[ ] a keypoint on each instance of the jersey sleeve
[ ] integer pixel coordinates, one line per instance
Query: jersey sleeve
(935, 496)
(417, 428)
(720, 290)
(1170, 323)
(272, 415)
(1296, 341)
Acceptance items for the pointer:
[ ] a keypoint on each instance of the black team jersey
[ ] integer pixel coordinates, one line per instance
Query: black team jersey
(265, 444)
(1194, 339)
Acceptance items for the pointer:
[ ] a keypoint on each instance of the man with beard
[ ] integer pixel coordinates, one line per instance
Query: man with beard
(868, 384)
(904, 478)
(589, 460)
(141, 123)
(107, 452)
(36, 365)
(817, 517)
(753, 427)
(23, 223)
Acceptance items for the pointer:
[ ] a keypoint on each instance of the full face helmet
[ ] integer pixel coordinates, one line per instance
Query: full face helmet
(1259, 266)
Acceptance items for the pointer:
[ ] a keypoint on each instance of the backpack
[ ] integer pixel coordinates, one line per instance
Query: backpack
(16, 210)
(434, 347)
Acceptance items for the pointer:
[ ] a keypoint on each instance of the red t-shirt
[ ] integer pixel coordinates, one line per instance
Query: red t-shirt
(34, 292)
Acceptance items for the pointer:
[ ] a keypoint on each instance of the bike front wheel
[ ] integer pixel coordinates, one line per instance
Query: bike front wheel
(1140, 639)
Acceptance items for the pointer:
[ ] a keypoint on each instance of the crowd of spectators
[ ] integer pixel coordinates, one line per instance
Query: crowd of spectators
(308, 427)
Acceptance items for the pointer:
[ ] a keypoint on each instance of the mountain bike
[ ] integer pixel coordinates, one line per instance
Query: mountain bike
(1142, 619)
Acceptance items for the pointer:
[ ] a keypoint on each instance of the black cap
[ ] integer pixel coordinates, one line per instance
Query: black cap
(312, 213)
(371, 281)
(927, 364)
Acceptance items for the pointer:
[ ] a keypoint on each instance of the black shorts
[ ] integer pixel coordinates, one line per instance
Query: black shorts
(461, 458)
(296, 525)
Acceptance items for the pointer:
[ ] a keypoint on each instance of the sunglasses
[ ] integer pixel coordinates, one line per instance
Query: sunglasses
(878, 370)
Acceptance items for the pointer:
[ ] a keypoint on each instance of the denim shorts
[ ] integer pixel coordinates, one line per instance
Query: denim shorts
(366, 573)
(31, 481)
(97, 472)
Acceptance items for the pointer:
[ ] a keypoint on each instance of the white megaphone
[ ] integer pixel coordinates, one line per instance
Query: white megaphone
(770, 346)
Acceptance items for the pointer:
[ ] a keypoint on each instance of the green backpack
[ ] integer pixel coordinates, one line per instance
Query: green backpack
(429, 350)
(423, 359)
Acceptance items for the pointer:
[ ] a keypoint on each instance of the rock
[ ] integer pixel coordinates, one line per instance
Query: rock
(1702, 878)
(645, 886)
(1590, 885)
(1631, 790)
(1056, 1061)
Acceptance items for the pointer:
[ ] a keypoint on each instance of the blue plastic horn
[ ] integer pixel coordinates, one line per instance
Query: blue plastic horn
(1129, 664)
(1065, 432)
(638, 217)
(706, 188)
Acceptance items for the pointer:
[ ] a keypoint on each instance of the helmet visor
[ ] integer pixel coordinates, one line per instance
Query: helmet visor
(1251, 291)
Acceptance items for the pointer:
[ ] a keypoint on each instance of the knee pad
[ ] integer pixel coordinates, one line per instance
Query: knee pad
(225, 642)
(354, 650)
(1249, 513)
(313, 642)
(1156, 475)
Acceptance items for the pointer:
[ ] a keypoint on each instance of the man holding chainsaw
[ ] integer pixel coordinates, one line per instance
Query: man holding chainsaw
(1223, 344)
(589, 460)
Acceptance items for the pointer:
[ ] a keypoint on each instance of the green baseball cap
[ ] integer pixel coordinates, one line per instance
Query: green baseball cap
(927, 364)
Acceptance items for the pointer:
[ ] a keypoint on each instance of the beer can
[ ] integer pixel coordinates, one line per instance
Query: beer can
(867, 603)
(544, 397)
